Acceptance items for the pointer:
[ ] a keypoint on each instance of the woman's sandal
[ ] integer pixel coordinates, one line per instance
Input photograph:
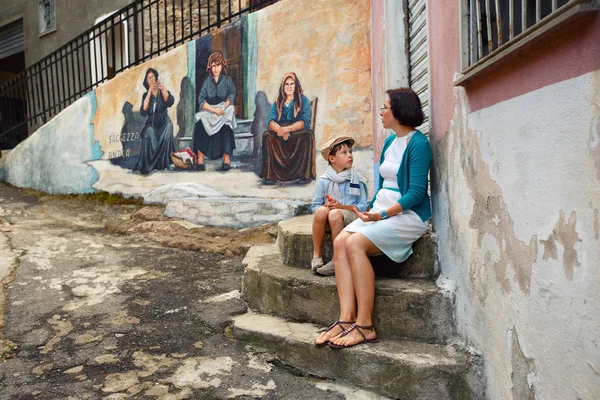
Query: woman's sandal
(358, 329)
(336, 323)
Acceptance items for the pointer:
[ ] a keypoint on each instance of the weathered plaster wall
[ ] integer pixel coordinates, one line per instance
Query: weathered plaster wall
(327, 44)
(516, 195)
(54, 158)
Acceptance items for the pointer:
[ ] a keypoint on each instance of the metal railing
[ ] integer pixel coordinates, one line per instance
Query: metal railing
(497, 24)
(128, 37)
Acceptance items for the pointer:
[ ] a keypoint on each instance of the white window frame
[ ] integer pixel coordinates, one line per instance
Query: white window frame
(471, 68)
(45, 26)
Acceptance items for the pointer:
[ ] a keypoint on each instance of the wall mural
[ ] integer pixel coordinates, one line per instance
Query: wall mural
(232, 115)
(277, 142)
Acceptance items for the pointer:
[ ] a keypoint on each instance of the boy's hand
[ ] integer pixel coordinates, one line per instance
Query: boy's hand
(332, 203)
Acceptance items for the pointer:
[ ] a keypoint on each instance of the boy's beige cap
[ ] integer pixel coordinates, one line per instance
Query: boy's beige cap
(327, 147)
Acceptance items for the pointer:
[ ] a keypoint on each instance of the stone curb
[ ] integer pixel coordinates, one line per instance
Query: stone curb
(399, 369)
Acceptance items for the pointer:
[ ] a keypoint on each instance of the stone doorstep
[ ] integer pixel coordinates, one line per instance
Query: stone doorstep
(414, 309)
(395, 368)
(294, 237)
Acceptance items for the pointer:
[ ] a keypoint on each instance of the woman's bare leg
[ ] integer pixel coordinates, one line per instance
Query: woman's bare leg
(200, 157)
(358, 248)
(226, 159)
(318, 230)
(345, 286)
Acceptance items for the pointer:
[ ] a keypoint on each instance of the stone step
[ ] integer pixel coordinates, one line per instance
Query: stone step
(403, 308)
(396, 368)
(295, 242)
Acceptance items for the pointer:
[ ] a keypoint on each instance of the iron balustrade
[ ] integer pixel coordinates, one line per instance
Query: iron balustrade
(130, 36)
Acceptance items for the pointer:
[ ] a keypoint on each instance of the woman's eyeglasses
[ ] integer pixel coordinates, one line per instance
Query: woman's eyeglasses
(382, 109)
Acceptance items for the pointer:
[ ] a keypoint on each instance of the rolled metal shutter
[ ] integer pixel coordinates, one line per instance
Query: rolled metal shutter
(418, 55)
(12, 39)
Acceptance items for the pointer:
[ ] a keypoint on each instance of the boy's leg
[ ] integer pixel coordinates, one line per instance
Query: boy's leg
(318, 233)
(336, 222)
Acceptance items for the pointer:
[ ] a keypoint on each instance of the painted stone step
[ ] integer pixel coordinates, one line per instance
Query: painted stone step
(237, 212)
(403, 308)
(396, 368)
(295, 242)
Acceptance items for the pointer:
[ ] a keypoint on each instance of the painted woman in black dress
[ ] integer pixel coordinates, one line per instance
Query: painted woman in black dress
(157, 135)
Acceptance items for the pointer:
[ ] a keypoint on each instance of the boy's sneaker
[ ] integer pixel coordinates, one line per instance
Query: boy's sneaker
(316, 262)
(327, 269)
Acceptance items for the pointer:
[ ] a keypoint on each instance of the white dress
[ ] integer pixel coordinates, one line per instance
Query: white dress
(393, 236)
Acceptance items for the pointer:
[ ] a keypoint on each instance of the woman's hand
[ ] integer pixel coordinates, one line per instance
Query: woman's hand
(218, 111)
(283, 132)
(162, 89)
(367, 216)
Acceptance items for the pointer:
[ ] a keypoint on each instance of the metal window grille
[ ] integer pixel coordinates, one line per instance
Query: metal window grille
(496, 25)
(134, 34)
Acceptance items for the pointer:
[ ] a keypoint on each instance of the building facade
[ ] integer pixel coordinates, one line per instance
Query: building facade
(516, 189)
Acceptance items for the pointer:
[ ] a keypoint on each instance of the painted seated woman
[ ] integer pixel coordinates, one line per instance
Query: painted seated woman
(157, 134)
(215, 122)
(288, 147)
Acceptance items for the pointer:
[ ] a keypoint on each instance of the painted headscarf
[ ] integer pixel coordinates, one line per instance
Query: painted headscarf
(217, 57)
(155, 72)
(297, 95)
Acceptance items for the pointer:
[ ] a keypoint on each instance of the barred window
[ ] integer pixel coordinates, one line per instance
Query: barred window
(492, 29)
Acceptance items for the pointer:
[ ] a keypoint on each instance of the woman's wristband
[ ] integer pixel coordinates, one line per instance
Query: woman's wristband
(384, 214)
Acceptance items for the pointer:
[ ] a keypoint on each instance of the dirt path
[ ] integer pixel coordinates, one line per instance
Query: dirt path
(113, 301)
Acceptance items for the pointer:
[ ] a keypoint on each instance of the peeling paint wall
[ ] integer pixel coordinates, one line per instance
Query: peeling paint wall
(516, 194)
(516, 203)
(55, 159)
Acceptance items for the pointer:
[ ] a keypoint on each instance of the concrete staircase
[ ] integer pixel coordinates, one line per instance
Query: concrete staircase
(415, 358)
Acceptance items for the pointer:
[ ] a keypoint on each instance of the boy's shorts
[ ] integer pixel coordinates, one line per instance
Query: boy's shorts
(349, 216)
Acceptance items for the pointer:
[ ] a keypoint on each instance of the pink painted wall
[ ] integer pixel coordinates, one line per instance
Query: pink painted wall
(570, 51)
(444, 53)
(567, 52)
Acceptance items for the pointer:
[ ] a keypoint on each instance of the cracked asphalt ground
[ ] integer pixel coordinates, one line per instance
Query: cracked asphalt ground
(101, 301)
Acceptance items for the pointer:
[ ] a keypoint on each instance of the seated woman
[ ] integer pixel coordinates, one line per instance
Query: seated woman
(288, 147)
(215, 122)
(400, 213)
(157, 134)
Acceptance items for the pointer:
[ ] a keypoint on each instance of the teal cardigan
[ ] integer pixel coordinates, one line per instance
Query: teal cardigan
(412, 175)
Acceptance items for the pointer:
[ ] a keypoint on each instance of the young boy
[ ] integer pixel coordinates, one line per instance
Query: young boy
(337, 192)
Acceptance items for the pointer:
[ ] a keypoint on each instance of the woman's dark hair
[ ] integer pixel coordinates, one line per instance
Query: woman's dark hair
(155, 72)
(406, 106)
